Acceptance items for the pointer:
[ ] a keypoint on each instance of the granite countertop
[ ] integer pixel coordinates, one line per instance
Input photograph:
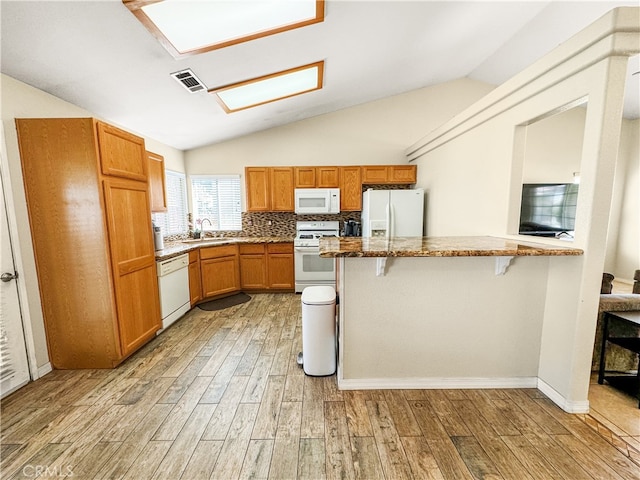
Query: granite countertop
(438, 247)
(173, 249)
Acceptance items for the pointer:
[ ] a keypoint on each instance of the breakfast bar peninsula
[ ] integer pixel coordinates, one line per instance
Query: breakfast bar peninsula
(443, 312)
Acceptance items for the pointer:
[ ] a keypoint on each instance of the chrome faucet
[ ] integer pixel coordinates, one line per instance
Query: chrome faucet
(202, 225)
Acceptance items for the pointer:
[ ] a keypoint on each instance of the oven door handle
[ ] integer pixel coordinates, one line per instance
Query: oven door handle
(306, 249)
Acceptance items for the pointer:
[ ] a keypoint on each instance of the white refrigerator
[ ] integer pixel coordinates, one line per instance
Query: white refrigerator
(392, 213)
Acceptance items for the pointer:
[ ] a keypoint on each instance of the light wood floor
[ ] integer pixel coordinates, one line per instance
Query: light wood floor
(219, 395)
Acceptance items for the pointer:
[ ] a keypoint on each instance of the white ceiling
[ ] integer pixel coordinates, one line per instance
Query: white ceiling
(96, 55)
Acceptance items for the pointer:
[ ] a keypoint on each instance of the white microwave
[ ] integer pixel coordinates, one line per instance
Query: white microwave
(317, 200)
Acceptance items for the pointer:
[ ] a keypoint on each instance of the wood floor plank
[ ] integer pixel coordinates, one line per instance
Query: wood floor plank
(35, 466)
(203, 460)
(421, 460)
(446, 413)
(118, 465)
(311, 459)
(232, 453)
(312, 425)
(444, 451)
(148, 460)
(532, 459)
(177, 458)
(624, 466)
(284, 460)
(222, 418)
(339, 462)
(219, 383)
(366, 460)
(183, 410)
(258, 380)
(477, 461)
(586, 458)
(537, 413)
(403, 419)
(92, 463)
(249, 358)
(491, 443)
(491, 413)
(269, 412)
(183, 381)
(357, 414)
(133, 415)
(392, 455)
(257, 460)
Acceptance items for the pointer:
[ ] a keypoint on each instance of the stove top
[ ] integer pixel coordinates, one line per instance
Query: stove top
(308, 234)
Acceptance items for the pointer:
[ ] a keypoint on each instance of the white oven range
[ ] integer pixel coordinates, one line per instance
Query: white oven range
(310, 268)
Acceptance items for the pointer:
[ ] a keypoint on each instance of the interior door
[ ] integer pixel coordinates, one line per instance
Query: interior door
(14, 367)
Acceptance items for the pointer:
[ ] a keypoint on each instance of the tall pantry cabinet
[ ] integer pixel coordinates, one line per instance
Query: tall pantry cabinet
(86, 184)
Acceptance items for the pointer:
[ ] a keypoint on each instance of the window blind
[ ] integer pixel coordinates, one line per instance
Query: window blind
(217, 198)
(7, 369)
(175, 220)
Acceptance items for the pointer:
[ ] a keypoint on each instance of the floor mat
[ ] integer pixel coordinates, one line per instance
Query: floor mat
(225, 302)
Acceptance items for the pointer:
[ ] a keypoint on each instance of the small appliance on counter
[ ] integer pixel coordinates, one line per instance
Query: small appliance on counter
(352, 229)
(158, 241)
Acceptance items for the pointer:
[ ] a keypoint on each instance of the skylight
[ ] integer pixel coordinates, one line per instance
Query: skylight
(270, 88)
(187, 27)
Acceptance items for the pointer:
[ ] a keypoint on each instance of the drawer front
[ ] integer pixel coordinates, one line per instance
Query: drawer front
(216, 252)
(251, 249)
(193, 256)
(280, 247)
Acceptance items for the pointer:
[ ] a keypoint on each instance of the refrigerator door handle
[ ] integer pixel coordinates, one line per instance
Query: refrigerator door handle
(388, 215)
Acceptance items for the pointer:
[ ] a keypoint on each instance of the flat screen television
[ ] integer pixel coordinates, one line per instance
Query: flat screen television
(548, 209)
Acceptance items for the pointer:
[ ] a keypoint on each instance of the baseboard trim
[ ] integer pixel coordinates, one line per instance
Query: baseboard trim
(566, 405)
(436, 383)
(44, 369)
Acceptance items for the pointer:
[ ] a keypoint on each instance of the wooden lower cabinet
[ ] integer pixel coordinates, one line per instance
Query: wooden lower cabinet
(195, 284)
(265, 267)
(253, 267)
(280, 266)
(219, 270)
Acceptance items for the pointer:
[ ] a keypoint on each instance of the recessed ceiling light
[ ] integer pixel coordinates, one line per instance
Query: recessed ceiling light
(270, 88)
(186, 27)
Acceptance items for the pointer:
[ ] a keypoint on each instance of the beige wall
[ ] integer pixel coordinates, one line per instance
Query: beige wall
(20, 100)
(623, 242)
(375, 132)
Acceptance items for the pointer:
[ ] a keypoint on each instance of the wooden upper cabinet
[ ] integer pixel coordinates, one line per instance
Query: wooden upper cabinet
(257, 187)
(327, 177)
(122, 154)
(392, 174)
(372, 174)
(403, 174)
(316, 177)
(157, 188)
(350, 189)
(305, 177)
(282, 186)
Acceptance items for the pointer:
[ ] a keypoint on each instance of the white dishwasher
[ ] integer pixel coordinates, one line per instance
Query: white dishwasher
(173, 283)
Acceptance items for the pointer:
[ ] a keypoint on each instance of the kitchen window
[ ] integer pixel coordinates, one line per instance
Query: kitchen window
(175, 220)
(216, 198)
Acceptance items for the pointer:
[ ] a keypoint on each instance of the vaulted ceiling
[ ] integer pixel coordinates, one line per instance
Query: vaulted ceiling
(98, 56)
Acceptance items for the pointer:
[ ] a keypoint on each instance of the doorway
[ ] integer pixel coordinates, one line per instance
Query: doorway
(14, 365)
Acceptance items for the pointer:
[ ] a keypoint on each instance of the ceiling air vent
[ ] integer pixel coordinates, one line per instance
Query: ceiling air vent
(189, 80)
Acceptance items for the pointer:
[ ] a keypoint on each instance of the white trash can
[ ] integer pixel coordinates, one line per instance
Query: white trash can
(319, 330)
